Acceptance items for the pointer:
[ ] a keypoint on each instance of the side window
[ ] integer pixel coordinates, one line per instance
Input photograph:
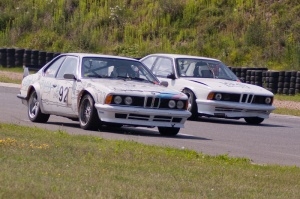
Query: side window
(163, 67)
(52, 69)
(69, 66)
(149, 62)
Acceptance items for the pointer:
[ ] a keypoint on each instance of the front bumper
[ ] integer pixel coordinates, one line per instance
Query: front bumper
(23, 99)
(142, 117)
(233, 109)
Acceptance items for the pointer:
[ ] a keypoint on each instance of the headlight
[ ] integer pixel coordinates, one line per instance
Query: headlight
(268, 100)
(128, 100)
(172, 104)
(180, 104)
(118, 99)
(218, 96)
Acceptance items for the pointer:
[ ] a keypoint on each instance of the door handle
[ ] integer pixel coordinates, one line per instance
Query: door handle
(54, 85)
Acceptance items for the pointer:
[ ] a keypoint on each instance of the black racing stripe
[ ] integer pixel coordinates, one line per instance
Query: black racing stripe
(198, 82)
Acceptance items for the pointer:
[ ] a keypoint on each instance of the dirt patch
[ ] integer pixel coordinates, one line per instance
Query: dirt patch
(12, 75)
(287, 104)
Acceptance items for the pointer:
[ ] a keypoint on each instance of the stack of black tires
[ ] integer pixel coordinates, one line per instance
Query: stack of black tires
(297, 84)
(271, 81)
(281, 82)
(11, 57)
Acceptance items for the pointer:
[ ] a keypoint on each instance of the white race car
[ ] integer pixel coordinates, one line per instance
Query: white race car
(213, 89)
(103, 90)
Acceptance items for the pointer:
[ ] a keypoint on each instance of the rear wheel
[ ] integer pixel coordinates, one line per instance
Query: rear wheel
(192, 101)
(168, 131)
(254, 120)
(34, 109)
(88, 117)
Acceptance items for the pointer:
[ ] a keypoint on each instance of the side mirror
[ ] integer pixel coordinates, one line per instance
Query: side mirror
(164, 83)
(242, 79)
(171, 76)
(69, 76)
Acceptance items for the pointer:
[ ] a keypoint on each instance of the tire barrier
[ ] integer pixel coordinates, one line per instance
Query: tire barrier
(3, 57)
(278, 82)
(297, 84)
(27, 57)
(10, 57)
(17, 57)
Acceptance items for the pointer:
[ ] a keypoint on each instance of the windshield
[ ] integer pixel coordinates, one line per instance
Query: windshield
(115, 68)
(204, 68)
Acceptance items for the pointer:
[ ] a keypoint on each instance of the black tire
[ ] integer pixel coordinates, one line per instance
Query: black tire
(34, 109)
(291, 91)
(168, 131)
(88, 116)
(192, 100)
(254, 120)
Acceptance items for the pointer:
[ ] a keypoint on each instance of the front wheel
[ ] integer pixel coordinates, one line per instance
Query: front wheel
(88, 117)
(192, 101)
(34, 110)
(168, 131)
(254, 120)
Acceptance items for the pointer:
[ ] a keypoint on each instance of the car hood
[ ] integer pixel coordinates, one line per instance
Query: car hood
(131, 86)
(229, 86)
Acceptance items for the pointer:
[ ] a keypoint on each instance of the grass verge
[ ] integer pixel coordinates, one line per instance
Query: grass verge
(287, 111)
(294, 98)
(6, 79)
(12, 69)
(37, 163)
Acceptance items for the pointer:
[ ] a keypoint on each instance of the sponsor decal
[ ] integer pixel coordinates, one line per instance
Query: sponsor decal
(168, 95)
(235, 84)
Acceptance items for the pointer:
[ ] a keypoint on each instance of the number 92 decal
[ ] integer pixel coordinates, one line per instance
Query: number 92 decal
(63, 94)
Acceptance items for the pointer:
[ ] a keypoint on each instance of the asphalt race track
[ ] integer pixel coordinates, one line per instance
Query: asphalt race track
(275, 141)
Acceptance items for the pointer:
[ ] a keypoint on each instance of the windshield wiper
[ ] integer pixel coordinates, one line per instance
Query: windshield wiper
(143, 80)
(95, 76)
(121, 77)
(133, 78)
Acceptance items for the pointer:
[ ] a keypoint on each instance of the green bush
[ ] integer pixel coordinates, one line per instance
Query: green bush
(241, 33)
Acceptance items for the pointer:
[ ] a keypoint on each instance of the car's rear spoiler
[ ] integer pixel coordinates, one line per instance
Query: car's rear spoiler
(28, 68)
(26, 71)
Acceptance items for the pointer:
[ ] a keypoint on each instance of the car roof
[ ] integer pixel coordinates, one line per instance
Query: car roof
(176, 56)
(81, 55)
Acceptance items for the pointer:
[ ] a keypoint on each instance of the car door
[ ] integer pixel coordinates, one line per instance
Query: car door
(47, 82)
(162, 68)
(63, 89)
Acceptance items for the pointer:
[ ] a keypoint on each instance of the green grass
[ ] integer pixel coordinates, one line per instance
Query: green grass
(12, 69)
(287, 111)
(217, 28)
(9, 80)
(12, 79)
(37, 163)
(295, 98)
